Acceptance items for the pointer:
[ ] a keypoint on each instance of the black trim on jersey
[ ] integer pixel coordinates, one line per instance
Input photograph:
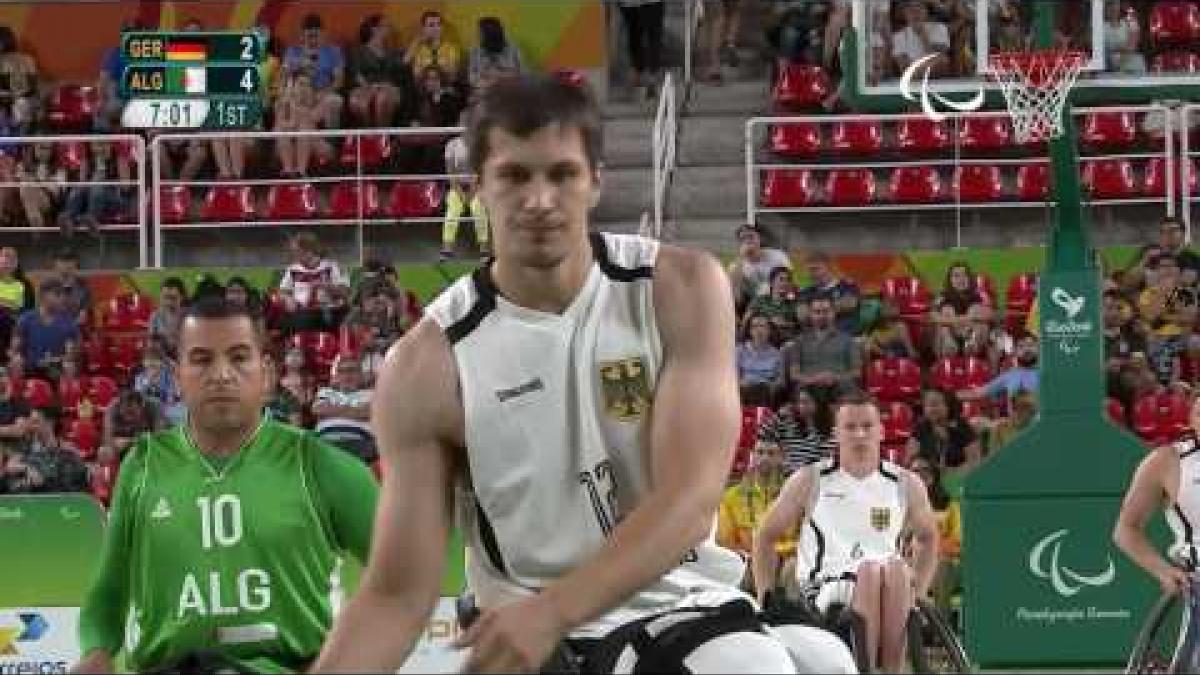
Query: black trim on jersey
(611, 269)
(820, 556)
(485, 302)
(1190, 442)
(888, 474)
(1188, 533)
(834, 465)
(488, 537)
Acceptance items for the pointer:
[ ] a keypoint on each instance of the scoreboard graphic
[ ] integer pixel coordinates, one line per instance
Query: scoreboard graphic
(194, 80)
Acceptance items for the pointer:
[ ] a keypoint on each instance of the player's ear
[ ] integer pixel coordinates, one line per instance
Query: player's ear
(597, 185)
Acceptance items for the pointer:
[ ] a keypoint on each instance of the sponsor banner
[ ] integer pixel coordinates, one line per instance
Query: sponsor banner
(38, 639)
(433, 653)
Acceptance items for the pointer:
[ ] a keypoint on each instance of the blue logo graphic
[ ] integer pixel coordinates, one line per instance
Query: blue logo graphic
(35, 627)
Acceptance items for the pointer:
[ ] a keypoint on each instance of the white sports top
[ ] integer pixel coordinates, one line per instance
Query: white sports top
(1185, 513)
(849, 520)
(557, 410)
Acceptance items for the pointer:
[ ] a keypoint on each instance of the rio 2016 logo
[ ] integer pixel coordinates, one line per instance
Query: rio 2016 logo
(927, 97)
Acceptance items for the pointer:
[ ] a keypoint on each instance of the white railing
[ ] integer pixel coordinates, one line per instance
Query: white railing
(1190, 116)
(361, 218)
(951, 157)
(136, 154)
(663, 138)
(693, 16)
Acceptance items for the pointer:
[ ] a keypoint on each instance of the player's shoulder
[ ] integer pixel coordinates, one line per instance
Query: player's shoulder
(1176, 451)
(686, 263)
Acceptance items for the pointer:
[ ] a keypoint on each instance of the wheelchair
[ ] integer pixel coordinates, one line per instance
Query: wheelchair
(1167, 641)
(933, 647)
(564, 660)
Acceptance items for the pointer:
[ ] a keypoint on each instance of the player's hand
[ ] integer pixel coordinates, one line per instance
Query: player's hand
(519, 637)
(1172, 579)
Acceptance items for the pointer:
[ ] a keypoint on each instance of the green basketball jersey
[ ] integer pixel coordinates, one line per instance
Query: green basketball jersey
(236, 556)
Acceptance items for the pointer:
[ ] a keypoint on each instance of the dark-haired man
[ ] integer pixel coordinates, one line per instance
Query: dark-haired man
(226, 533)
(578, 398)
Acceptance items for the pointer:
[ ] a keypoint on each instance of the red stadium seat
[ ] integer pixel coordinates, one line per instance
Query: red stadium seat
(175, 201)
(1155, 181)
(801, 86)
(141, 308)
(798, 139)
(857, 137)
(350, 341)
(1115, 411)
(344, 200)
(915, 185)
(949, 373)
(978, 183)
(1018, 301)
(1161, 418)
(985, 133)
(103, 479)
(893, 379)
(101, 390)
(1109, 129)
(910, 295)
(71, 155)
(978, 372)
(788, 187)
(1174, 22)
(375, 150)
(118, 315)
(921, 134)
(986, 287)
(1176, 62)
(85, 436)
(292, 202)
(973, 409)
(1109, 178)
(70, 392)
(229, 203)
(1033, 182)
(127, 355)
(850, 187)
(97, 357)
(415, 199)
(752, 418)
(38, 393)
(70, 107)
(897, 419)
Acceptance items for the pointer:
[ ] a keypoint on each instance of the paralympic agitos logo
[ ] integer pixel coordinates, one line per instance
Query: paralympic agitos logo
(1064, 580)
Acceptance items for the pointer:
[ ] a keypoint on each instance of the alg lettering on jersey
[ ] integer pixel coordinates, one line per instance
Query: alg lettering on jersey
(253, 595)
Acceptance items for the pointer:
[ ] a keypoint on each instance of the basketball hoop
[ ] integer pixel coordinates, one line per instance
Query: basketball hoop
(1035, 86)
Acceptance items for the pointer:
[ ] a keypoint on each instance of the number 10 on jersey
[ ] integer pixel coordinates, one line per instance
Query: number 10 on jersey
(220, 521)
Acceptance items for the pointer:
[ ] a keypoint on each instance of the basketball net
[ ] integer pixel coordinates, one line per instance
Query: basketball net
(1035, 86)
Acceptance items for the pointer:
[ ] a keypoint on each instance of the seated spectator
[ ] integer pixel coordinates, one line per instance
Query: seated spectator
(796, 33)
(431, 49)
(1168, 311)
(299, 386)
(299, 109)
(437, 105)
(18, 83)
(1122, 335)
(1139, 275)
(942, 436)
(746, 502)
(495, 56)
(314, 288)
(325, 65)
(960, 315)
(240, 293)
(1006, 385)
(799, 430)
(780, 305)
(43, 333)
(296, 363)
(77, 295)
(759, 364)
(374, 320)
(130, 416)
(164, 324)
(46, 464)
(343, 410)
(283, 404)
(1023, 410)
(47, 179)
(1121, 37)
(889, 336)
(461, 196)
(948, 578)
(16, 294)
(378, 80)
(1171, 240)
(14, 413)
(823, 359)
(91, 204)
(921, 37)
(750, 271)
(156, 382)
(842, 292)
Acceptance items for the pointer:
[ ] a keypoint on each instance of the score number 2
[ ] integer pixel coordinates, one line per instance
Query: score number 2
(247, 48)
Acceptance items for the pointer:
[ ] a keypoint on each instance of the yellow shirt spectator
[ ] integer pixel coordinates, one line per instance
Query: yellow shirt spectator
(12, 294)
(446, 55)
(742, 509)
(949, 521)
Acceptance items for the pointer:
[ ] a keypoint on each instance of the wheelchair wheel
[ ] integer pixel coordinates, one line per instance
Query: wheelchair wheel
(933, 647)
(1158, 643)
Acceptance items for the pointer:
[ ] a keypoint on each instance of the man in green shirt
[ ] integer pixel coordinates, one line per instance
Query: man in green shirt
(226, 533)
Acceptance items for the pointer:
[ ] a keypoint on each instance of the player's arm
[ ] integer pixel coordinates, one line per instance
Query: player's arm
(785, 513)
(1145, 496)
(102, 616)
(414, 415)
(693, 433)
(349, 491)
(923, 524)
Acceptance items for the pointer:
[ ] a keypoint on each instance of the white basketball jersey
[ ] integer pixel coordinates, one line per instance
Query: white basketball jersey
(1185, 513)
(557, 410)
(849, 520)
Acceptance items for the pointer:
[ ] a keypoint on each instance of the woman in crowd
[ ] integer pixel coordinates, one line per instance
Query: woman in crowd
(375, 72)
(495, 57)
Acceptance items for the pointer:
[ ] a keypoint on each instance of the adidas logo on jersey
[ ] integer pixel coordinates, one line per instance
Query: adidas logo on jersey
(161, 510)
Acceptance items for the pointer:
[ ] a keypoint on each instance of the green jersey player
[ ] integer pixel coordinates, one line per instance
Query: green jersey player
(226, 533)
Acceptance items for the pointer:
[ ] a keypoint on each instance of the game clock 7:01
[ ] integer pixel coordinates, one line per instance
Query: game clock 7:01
(194, 113)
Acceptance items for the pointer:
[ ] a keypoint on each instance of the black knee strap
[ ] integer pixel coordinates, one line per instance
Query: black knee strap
(665, 653)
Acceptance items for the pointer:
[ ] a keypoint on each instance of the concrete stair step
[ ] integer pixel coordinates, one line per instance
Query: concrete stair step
(626, 194)
(745, 98)
(708, 141)
(627, 142)
(707, 192)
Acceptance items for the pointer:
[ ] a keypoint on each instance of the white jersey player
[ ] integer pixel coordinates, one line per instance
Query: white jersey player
(1166, 479)
(851, 511)
(576, 402)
